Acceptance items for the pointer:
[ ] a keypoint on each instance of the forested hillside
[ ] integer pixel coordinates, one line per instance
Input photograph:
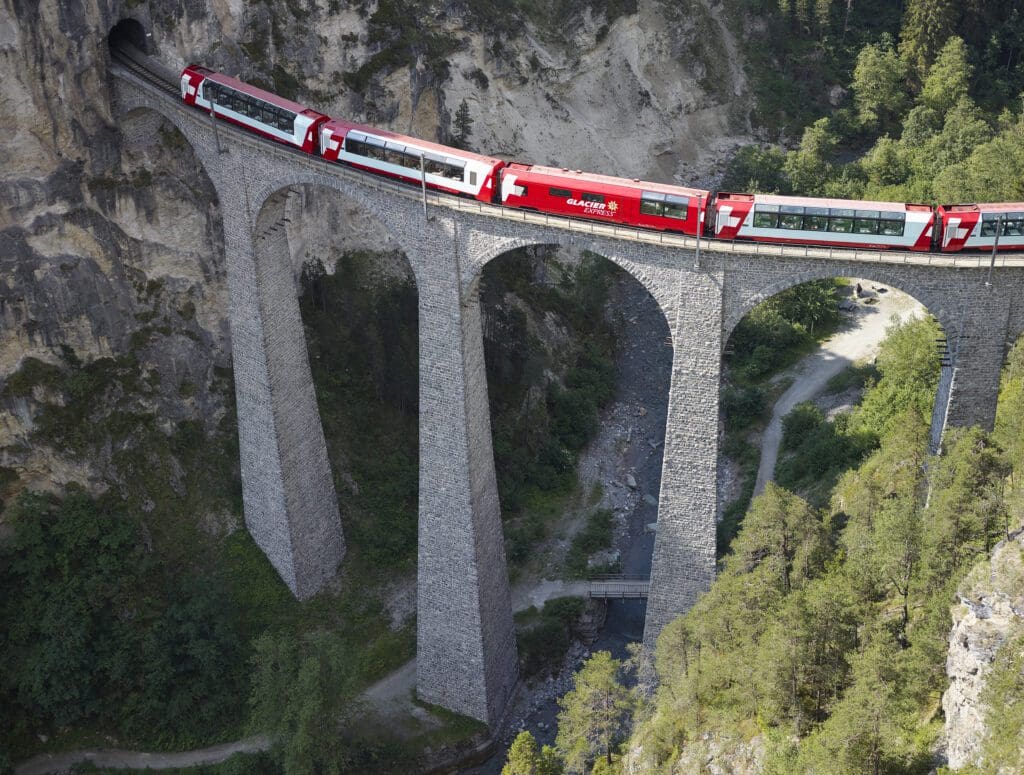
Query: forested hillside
(929, 108)
(822, 644)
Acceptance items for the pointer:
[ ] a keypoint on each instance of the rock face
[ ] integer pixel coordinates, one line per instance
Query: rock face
(990, 612)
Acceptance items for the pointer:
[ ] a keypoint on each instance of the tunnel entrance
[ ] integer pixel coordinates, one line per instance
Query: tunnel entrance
(129, 34)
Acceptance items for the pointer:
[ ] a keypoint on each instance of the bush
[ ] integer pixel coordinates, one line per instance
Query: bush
(595, 536)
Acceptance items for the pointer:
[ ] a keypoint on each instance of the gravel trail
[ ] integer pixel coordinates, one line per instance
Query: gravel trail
(860, 335)
(140, 760)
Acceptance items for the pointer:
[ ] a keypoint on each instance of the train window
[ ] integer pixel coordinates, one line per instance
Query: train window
(472, 178)
(452, 171)
(892, 227)
(652, 203)
(562, 193)
(765, 220)
(676, 206)
(865, 226)
(1014, 228)
(815, 223)
(791, 221)
(990, 224)
(840, 225)
(592, 197)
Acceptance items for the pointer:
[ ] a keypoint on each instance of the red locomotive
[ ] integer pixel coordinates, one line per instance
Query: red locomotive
(603, 198)
(577, 194)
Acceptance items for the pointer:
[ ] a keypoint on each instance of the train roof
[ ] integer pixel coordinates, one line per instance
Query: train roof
(426, 145)
(248, 88)
(839, 204)
(984, 207)
(608, 180)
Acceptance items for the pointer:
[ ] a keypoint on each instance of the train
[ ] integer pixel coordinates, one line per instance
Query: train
(633, 202)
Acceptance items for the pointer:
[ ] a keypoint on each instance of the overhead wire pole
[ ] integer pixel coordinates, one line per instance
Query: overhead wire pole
(213, 121)
(423, 185)
(700, 225)
(995, 247)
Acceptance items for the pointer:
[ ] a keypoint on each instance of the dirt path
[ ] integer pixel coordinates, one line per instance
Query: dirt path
(138, 760)
(858, 339)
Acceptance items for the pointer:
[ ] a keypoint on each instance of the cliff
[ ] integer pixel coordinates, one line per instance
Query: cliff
(988, 623)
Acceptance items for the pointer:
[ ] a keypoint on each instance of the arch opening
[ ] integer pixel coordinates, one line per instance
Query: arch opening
(129, 34)
(578, 360)
(358, 301)
(795, 402)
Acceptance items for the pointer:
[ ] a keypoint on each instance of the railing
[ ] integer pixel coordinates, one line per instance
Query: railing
(142, 75)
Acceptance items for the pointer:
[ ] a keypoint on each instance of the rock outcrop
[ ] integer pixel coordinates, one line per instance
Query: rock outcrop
(990, 613)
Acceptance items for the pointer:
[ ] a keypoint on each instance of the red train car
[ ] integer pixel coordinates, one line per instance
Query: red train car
(813, 221)
(604, 198)
(255, 109)
(974, 226)
(398, 156)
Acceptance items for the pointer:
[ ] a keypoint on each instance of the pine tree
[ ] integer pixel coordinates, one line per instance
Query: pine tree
(526, 758)
(593, 714)
(927, 25)
(463, 126)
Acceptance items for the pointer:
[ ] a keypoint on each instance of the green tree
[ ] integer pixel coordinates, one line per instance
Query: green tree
(758, 170)
(879, 86)
(526, 758)
(808, 304)
(927, 25)
(463, 126)
(809, 167)
(994, 171)
(302, 693)
(870, 729)
(783, 538)
(965, 514)
(887, 163)
(948, 77)
(593, 713)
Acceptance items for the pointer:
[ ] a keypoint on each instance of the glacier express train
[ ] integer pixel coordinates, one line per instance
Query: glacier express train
(630, 202)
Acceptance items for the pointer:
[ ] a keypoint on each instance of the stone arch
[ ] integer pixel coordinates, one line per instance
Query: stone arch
(483, 248)
(265, 201)
(641, 498)
(933, 304)
(131, 32)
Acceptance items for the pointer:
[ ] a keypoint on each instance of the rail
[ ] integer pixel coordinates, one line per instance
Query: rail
(144, 76)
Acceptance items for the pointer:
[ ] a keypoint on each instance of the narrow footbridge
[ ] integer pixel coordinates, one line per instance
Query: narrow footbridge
(618, 588)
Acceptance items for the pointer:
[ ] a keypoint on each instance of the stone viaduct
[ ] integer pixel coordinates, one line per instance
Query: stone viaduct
(466, 652)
